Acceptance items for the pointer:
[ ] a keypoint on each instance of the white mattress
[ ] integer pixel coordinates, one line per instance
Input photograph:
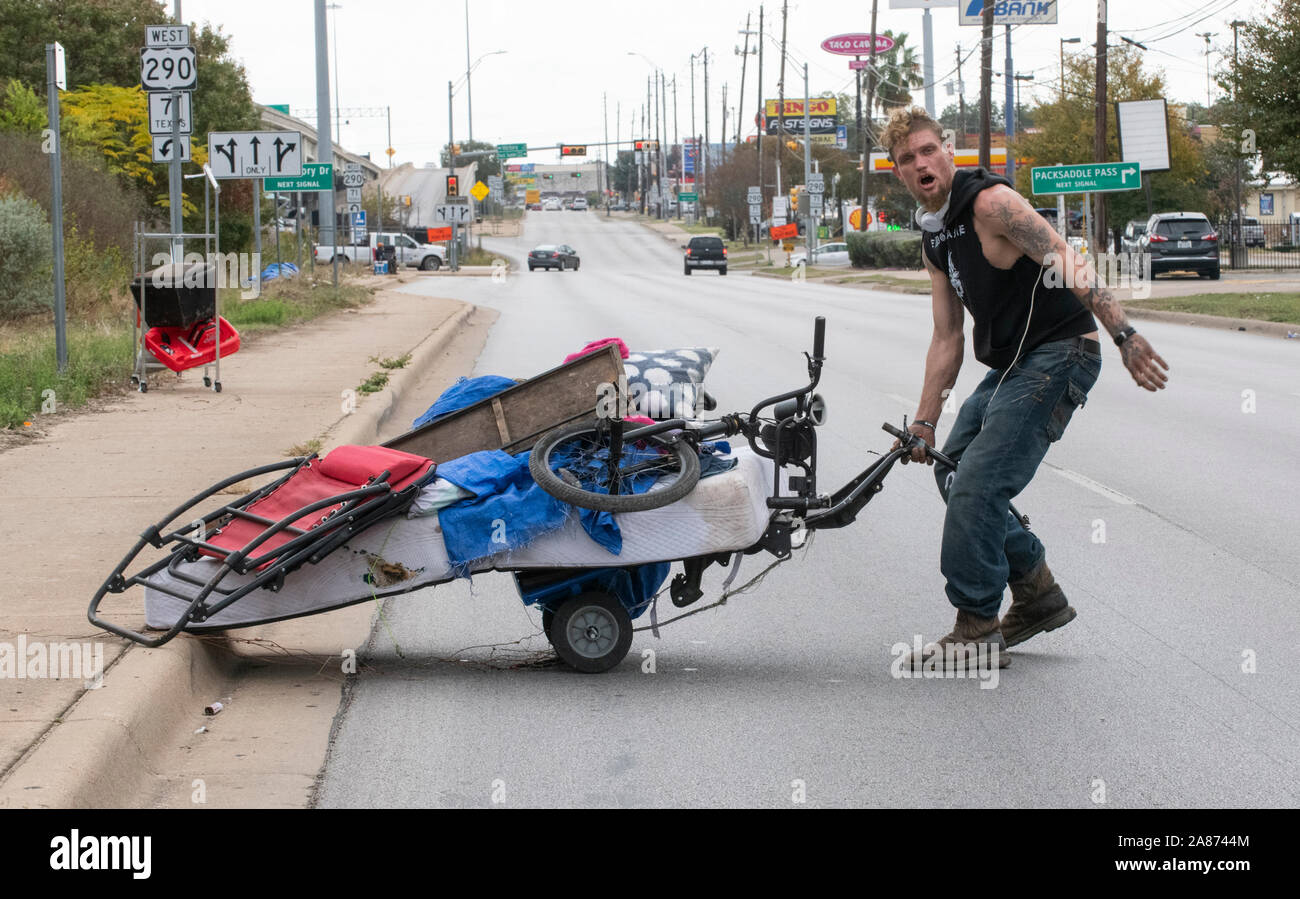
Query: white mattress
(724, 512)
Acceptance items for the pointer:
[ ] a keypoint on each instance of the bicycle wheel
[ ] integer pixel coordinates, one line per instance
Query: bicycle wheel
(571, 463)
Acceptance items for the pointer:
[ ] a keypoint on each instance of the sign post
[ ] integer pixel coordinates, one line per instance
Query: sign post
(56, 80)
(167, 67)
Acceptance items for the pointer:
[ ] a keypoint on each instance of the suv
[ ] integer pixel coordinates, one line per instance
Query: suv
(579, 205)
(1131, 241)
(705, 252)
(1181, 241)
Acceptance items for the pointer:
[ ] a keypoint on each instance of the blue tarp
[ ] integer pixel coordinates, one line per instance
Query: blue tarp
(465, 392)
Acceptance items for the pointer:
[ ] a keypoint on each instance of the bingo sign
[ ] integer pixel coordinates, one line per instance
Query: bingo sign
(857, 44)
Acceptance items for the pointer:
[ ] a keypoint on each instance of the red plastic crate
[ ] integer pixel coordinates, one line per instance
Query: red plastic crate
(183, 348)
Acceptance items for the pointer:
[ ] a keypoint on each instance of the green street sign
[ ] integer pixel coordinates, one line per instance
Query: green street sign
(315, 176)
(508, 151)
(689, 197)
(1086, 177)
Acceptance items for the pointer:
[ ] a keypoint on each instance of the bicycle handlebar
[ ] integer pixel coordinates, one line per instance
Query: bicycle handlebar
(908, 438)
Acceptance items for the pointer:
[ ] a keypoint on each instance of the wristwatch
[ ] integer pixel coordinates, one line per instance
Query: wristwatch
(1124, 334)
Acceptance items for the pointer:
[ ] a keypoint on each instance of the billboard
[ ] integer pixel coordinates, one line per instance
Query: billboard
(1144, 133)
(1010, 12)
(857, 44)
(818, 106)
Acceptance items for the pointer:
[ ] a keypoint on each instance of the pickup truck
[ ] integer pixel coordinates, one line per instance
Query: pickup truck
(427, 257)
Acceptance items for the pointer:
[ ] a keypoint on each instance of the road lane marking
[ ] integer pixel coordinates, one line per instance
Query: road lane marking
(901, 399)
(1084, 481)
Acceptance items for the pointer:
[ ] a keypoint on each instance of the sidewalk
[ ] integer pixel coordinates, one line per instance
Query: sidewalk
(75, 501)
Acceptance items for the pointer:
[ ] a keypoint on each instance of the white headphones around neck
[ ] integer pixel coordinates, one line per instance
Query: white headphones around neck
(932, 221)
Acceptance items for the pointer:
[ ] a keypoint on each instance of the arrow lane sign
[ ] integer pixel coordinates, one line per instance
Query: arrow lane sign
(164, 149)
(238, 154)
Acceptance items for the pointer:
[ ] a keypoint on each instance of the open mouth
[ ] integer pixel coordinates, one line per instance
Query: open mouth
(927, 181)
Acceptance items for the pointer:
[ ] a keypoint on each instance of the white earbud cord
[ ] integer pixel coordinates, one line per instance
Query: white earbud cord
(1029, 318)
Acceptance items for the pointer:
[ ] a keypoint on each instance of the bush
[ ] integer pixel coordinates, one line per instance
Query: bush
(884, 249)
(25, 253)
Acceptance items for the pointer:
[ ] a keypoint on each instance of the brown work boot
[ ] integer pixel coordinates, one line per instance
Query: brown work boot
(975, 643)
(1037, 605)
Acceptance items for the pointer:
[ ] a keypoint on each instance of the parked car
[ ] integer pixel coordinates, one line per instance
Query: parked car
(556, 256)
(831, 254)
(619, 206)
(1181, 241)
(1252, 232)
(1131, 241)
(552, 204)
(705, 253)
(579, 205)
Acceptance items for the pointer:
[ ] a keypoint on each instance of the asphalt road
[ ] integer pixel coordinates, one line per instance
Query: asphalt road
(1174, 687)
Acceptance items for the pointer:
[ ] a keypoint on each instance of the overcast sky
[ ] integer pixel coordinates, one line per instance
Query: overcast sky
(562, 58)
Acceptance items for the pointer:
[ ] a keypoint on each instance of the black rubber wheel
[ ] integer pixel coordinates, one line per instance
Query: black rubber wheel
(430, 264)
(144, 386)
(217, 387)
(722, 271)
(1214, 275)
(547, 617)
(686, 269)
(591, 632)
(207, 382)
(679, 469)
(532, 268)
(577, 264)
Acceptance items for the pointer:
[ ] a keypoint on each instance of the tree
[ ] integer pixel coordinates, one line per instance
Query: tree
(102, 38)
(487, 165)
(898, 73)
(1068, 126)
(1267, 92)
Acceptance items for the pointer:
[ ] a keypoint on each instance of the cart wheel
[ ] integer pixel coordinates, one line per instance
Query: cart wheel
(207, 382)
(144, 387)
(547, 617)
(135, 380)
(591, 632)
(217, 387)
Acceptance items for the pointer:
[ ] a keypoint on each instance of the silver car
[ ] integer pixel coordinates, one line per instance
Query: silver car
(829, 255)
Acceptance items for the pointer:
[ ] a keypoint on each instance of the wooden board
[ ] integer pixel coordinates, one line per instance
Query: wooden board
(514, 419)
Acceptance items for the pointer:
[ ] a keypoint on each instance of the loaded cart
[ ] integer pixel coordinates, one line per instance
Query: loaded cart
(369, 522)
(176, 324)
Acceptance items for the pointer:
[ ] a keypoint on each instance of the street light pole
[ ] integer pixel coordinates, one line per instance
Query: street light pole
(469, 88)
(338, 126)
(1063, 42)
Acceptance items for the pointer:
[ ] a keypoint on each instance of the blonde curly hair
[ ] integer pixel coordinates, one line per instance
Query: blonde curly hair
(903, 120)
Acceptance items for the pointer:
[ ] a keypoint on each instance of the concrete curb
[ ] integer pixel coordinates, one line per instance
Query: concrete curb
(1249, 325)
(103, 747)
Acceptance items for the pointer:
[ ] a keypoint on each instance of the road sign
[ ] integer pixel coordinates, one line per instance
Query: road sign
(354, 195)
(754, 195)
(255, 154)
(355, 208)
(1086, 177)
(360, 236)
(167, 36)
(315, 176)
(167, 68)
(496, 182)
(689, 196)
(755, 217)
(438, 234)
(479, 190)
(780, 231)
(160, 113)
(815, 184)
(358, 218)
(354, 179)
(452, 213)
(164, 149)
(508, 151)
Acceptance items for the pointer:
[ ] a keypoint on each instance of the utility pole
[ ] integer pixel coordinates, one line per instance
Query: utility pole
(1008, 111)
(927, 65)
(175, 185)
(663, 153)
(744, 61)
(986, 83)
(657, 169)
(604, 156)
(1238, 249)
(780, 99)
(961, 104)
(723, 130)
(706, 122)
(1207, 35)
(809, 229)
(871, 99)
(1098, 236)
(325, 144)
(469, 90)
(762, 106)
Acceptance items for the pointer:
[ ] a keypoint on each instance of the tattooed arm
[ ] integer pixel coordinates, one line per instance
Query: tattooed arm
(943, 359)
(1007, 215)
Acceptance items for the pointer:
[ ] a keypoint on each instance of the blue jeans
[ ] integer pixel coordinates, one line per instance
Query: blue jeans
(1000, 437)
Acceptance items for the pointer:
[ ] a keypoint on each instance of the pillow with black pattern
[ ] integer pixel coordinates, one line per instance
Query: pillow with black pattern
(664, 384)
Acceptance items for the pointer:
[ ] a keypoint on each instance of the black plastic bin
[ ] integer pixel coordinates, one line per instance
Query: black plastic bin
(170, 303)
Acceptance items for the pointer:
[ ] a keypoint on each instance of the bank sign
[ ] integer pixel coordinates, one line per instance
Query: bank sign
(1011, 12)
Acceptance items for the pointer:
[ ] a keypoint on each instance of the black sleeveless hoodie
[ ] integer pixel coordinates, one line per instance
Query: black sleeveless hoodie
(998, 299)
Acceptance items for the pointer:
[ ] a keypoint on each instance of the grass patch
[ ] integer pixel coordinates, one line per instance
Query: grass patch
(1266, 307)
(373, 384)
(290, 301)
(98, 358)
(479, 256)
(306, 448)
(391, 362)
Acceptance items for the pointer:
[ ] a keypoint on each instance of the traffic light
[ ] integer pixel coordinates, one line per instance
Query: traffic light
(453, 186)
(640, 145)
(573, 150)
